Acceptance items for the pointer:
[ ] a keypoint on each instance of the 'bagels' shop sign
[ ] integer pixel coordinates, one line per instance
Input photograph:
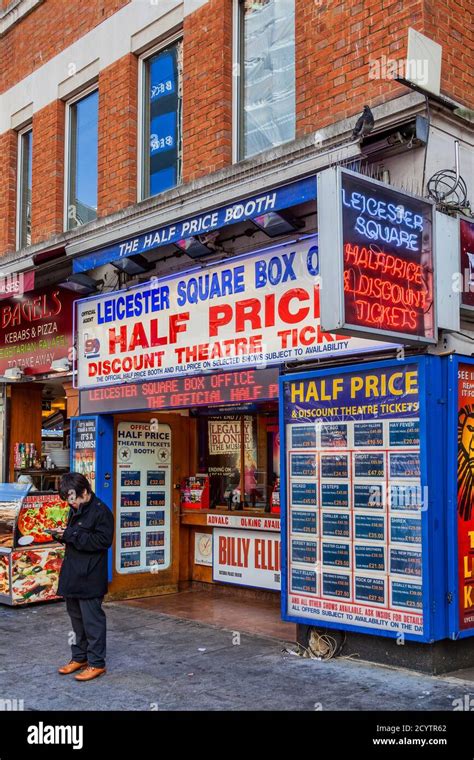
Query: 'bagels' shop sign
(35, 330)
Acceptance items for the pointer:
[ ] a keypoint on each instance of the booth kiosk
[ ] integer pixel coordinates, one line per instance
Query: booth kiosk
(375, 542)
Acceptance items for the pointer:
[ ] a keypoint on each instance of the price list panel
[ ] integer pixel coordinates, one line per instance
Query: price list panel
(355, 500)
(143, 514)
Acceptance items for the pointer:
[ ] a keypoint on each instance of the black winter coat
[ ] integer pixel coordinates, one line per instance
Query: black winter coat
(89, 534)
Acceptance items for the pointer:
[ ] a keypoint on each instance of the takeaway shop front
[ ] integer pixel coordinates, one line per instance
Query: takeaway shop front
(179, 409)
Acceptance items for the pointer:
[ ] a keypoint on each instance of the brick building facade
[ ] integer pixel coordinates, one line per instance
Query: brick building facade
(150, 139)
(335, 43)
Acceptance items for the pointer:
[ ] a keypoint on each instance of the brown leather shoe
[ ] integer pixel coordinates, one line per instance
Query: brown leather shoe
(71, 667)
(90, 673)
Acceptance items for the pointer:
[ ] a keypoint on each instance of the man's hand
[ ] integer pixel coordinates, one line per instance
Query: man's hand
(56, 535)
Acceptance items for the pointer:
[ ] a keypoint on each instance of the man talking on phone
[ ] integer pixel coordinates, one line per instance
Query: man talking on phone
(83, 580)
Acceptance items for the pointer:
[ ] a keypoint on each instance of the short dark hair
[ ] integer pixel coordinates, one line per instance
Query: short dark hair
(73, 481)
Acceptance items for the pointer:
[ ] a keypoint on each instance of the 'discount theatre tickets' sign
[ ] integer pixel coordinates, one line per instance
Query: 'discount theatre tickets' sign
(254, 311)
(354, 499)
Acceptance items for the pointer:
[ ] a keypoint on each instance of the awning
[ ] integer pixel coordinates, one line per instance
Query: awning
(242, 210)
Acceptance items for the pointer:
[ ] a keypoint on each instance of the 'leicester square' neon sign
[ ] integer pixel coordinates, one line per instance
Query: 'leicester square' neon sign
(387, 259)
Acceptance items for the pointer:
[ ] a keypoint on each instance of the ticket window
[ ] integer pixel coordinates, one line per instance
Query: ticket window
(238, 453)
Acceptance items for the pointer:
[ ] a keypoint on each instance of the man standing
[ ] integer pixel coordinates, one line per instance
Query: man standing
(83, 580)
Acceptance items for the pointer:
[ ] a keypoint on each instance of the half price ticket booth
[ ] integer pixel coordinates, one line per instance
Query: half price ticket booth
(194, 487)
(188, 397)
(251, 427)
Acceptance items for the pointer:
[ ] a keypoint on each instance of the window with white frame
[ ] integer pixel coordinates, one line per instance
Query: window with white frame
(161, 109)
(81, 159)
(265, 62)
(25, 173)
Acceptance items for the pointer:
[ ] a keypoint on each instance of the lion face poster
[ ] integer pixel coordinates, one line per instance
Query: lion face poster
(465, 474)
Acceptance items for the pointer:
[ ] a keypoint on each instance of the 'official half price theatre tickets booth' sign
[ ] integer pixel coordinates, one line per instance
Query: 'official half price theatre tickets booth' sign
(254, 311)
(377, 261)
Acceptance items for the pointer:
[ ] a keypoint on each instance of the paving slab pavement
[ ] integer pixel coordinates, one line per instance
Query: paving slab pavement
(160, 662)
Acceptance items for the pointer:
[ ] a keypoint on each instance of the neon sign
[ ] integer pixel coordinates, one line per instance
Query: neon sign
(387, 259)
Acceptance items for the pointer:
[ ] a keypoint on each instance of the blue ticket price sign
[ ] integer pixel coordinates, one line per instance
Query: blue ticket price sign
(365, 428)
(304, 522)
(130, 479)
(335, 495)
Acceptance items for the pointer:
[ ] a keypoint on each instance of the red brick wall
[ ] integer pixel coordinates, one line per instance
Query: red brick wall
(207, 89)
(47, 30)
(48, 172)
(117, 169)
(449, 22)
(8, 165)
(335, 43)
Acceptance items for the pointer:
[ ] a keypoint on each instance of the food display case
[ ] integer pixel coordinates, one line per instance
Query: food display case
(30, 560)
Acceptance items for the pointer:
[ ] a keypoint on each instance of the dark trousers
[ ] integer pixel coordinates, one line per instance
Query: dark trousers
(89, 625)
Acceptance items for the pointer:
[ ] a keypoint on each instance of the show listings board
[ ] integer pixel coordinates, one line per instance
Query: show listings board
(143, 515)
(354, 499)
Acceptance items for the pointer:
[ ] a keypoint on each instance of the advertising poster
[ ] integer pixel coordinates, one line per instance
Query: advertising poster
(247, 558)
(334, 466)
(465, 478)
(143, 458)
(225, 450)
(336, 524)
(35, 574)
(467, 262)
(130, 479)
(369, 465)
(5, 574)
(368, 497)
(84, 451)
(39, 513)
(198, 322)
(404, 433)
(245, 521)
(334, 436)
(370, 590)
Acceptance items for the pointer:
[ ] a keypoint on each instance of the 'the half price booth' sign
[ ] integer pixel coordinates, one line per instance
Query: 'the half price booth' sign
(377, 262)
(251, 312)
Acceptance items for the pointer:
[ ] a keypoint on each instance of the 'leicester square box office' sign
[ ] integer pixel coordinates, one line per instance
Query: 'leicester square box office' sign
(252, 311)
(377, 261)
